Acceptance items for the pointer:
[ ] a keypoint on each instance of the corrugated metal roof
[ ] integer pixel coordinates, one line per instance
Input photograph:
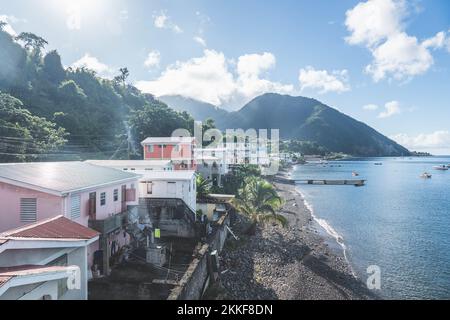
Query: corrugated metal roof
(168, 140)
(54, 228)
(62, 177)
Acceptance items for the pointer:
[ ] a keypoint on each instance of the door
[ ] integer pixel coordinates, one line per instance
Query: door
(171, 189)
(124, 198)
(92, 205)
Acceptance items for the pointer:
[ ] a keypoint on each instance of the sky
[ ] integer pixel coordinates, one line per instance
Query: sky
(383, 62)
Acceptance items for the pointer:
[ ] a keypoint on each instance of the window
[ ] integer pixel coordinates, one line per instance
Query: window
(28, 209)
(116, 194)
(102, 198)
(149, 187)
(150, 148)
(75, 207)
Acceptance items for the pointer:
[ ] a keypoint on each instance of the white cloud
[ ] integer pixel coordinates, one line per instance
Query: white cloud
(370, 107)
(163, 21)
(153, 59)
(322, 80)
(213, 78)
(94, 64)
(435, 140)
(8, 20)
(73, 20)
(436, 42)
(379, 25)
(391, 108)
(200, 41)
(123, 14)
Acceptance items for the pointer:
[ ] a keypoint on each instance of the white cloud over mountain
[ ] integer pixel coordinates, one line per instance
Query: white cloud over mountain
(391, 108)
(153, 59)
(379, 26)
(213, 78)
(90, 62)
(8, 20)
(436, 140)
(322, 80)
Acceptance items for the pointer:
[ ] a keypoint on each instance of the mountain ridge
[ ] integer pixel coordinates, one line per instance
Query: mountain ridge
(299, 118)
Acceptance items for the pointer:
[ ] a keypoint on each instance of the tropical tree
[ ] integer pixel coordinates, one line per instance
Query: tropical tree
(203, 187)
(32, 41)
(259, 201)
(122, 77)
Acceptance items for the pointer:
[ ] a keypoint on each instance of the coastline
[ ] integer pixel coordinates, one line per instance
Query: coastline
(293, 263)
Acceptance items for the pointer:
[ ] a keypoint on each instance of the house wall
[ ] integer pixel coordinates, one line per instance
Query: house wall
(184, 189)
(47, 205)
(167, 151)
(75, 256)
(32, 291)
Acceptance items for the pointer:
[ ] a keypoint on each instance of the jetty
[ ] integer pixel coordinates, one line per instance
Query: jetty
(351, 182)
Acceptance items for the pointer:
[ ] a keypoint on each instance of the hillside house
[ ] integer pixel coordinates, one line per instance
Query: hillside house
(181, 150)
(45, 260)
(90, 195)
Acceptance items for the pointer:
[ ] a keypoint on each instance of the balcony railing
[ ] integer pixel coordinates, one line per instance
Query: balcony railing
(109, 224)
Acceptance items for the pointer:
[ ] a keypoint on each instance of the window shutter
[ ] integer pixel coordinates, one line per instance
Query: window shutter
(75, 207)
(28, 209)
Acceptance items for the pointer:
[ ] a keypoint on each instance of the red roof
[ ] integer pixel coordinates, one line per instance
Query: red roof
(55, 228)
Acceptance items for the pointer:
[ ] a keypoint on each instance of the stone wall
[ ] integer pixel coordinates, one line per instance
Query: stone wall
(198, 275)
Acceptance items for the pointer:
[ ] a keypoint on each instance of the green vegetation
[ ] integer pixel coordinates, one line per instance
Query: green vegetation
(203, 187)
(23, 136)
(259, 201)
(303, 147)
(102, 118)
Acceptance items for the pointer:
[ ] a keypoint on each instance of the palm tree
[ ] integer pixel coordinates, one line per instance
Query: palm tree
(259, 201)
(203, 187)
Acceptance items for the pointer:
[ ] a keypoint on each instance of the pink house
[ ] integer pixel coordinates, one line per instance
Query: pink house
(181, 150)
(90, 195)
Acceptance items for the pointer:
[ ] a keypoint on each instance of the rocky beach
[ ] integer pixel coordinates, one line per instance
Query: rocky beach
(286, 263)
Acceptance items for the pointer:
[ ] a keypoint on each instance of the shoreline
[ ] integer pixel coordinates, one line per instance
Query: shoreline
(293, 263)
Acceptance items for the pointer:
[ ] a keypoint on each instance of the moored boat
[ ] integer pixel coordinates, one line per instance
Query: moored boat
(442, 167)
(425, 175)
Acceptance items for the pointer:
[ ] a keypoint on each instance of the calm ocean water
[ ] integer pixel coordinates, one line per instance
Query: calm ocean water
(398, 221)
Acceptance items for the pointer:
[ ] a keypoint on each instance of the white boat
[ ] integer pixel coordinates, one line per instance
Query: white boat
(443, 167)
(355, 174)
(425, 175)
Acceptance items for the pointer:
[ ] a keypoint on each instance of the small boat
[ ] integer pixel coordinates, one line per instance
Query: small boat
(355, 174)
(425, 175)
(378, 163)
(442, 167)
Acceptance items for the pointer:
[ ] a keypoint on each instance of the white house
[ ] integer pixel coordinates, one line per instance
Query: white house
(45, 260)
(169, 185)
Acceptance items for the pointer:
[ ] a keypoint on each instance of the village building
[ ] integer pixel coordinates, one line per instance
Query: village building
(46, 260)
(181, 150)
(90, 195)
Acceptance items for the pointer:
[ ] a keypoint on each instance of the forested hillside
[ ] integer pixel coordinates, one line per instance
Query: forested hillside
(86, 116)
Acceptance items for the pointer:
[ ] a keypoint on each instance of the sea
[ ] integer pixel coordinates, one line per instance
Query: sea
(396, 225)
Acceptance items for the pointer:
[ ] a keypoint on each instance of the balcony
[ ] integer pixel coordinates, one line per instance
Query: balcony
(109, 224)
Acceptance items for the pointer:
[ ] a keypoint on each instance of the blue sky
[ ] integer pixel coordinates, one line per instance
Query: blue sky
(384, 62)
